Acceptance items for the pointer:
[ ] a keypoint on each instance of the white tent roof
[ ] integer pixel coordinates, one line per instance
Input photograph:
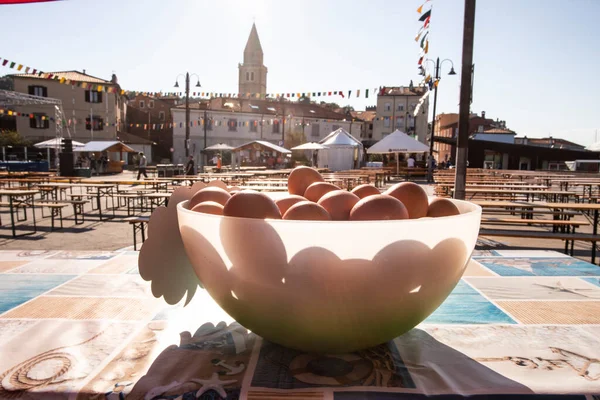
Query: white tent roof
(309, 146)
(266, 144)
(398, 142)
(340, 137)
(103, 145)
(56, 142)
(219, 146)
(594, 147)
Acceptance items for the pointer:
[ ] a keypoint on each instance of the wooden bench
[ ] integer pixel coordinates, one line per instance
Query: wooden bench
(567, 237)
(139, 225)
(565, 225)
(55, 210)
(77, 208)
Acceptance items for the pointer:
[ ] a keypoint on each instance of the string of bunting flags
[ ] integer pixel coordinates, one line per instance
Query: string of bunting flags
(356, 93)
(422, 38)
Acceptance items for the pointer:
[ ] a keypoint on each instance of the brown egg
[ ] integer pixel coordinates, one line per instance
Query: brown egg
(300, 178)
(285, 203)
(209, 207)
(441, 207)
(210, 193)
(365, 190)
(412, 196)
(378, 207)
(251, 204)
(218, 183)
(307, 211)
(233, 189)
(316, 190)
(338, 204)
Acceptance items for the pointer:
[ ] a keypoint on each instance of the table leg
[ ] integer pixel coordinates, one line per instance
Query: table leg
(595, 232)
(12, 217)
(99, 204)
(33, 214)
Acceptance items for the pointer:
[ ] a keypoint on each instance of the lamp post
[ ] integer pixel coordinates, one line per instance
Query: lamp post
(187, 107)
(436, 78)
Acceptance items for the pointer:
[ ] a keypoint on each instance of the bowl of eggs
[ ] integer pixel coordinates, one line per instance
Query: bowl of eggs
(321, 269)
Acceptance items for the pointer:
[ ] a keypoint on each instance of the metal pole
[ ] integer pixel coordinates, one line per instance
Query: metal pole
(204, 152)
(462, 145)
(187, 114)
(436, 78)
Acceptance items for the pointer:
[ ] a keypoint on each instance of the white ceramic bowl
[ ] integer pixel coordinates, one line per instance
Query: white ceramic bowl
(333, 286)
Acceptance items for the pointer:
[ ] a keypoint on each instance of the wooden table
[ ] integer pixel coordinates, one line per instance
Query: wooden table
(20, 199)
(555, 193)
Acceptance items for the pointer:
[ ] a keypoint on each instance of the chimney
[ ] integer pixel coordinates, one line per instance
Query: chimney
(525, 140)
(483, 114)
(113, 79)
(84, 71)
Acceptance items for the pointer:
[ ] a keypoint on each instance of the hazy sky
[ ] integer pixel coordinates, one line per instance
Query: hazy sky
(535, 60)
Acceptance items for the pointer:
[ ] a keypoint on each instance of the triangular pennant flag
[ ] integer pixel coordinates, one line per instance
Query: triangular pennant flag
(425, 16)
(423, 40)
(426, 47)
(426, 24)
(420, 9)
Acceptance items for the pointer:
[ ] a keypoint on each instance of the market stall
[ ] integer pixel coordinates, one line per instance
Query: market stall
(262, 153)
(109, 151)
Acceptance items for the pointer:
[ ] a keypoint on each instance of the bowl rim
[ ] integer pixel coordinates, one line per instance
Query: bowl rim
(477, 210)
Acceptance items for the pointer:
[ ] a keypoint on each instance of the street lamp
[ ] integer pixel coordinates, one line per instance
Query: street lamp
(187, 108)
(437, 66)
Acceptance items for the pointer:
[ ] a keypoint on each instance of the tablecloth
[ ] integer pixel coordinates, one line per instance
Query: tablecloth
(519, 325)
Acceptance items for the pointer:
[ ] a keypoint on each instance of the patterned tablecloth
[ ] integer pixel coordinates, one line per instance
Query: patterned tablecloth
(520, 325)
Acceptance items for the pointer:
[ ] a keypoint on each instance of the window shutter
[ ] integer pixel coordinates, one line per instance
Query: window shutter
(30, 88)
(87, 96)
(99, 97)
(46, 124)
(45, 91)
(101, 124)
(32, 121)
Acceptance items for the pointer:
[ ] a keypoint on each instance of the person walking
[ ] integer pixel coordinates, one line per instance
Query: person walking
(142, 164)
(189, 168)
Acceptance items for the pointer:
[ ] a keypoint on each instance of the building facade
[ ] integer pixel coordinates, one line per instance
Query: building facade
(549, 142)
(366, 119)
(395, 106)
(446, 126)
(150, 118)
(252, 72)
(235, 121)
(90, 114)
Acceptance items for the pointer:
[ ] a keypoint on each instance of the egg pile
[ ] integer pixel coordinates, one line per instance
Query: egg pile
(312, 199)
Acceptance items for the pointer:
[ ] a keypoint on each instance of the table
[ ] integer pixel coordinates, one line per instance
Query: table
(519, 322)
(20, 199)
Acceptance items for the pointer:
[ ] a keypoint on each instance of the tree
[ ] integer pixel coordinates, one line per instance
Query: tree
(333, 106)
(304, 100)
(6, 83)
(13, 138)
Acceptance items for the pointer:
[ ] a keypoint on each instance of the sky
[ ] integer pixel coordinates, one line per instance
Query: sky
(535, 60)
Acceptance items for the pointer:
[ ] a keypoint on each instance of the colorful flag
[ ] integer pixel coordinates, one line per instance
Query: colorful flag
(358, 93)
(12, 64)
(425, 16)
(4, 63)
(366, 93)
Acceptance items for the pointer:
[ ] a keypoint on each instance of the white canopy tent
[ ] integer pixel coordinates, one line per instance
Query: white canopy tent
(342, 151)
(594, 147)
(312, 146)
(55, 143)
(397, 142)
(219, 147)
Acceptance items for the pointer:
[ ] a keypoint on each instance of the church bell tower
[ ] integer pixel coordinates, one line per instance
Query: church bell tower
(253, 74)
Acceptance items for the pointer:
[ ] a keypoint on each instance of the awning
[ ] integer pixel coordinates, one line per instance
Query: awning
(110, 146)
(219, 146)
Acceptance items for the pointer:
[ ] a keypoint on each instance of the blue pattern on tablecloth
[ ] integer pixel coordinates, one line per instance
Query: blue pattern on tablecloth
(467, 306)
(16, 289)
